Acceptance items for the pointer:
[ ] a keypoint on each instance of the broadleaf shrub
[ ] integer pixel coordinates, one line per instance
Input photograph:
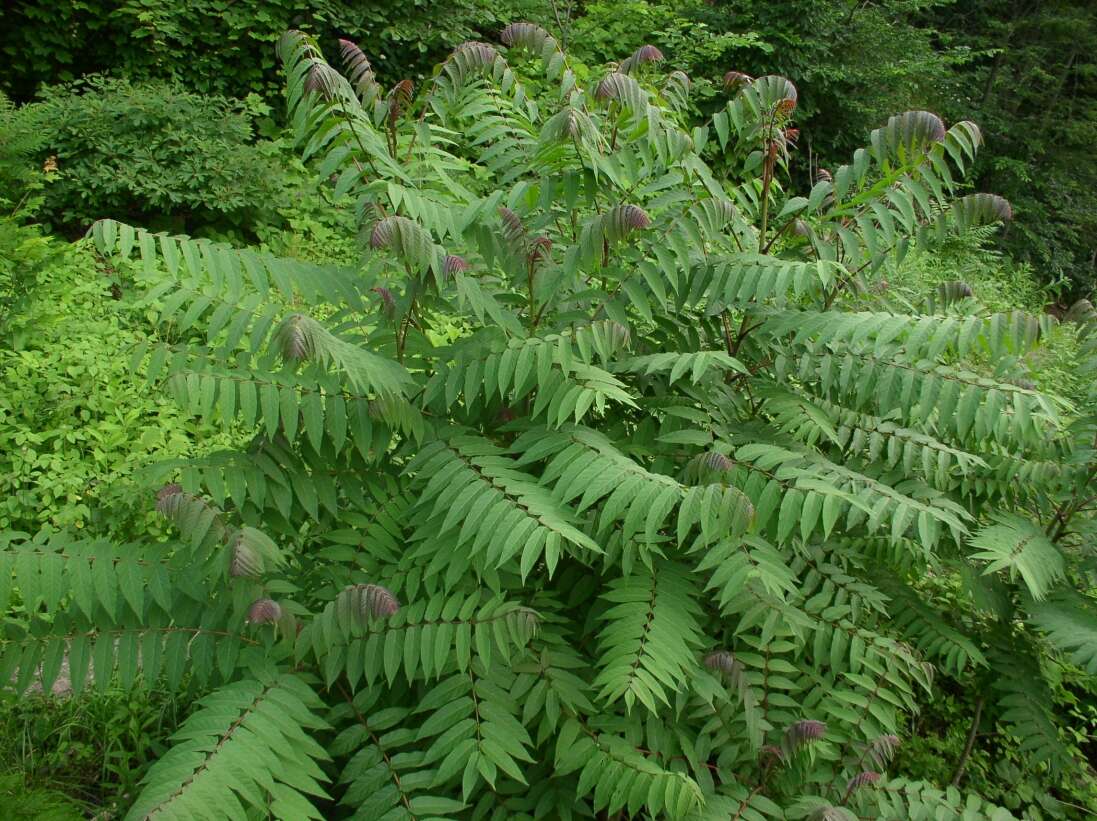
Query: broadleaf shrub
(605, 485)
(152, 151)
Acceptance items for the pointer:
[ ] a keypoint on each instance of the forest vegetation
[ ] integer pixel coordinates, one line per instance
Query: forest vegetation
(535, 410)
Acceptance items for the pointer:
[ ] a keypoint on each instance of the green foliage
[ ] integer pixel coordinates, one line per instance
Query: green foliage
(1031, 78)
(138, 150)
(217, 49)
(246, 744)
(591, 488)
(95, 748)
(75, 426)
(22, 804)
(25, 255)
(1001, 285)
(22, 133)
(1017, 545)
(701, 44)
(997, 768)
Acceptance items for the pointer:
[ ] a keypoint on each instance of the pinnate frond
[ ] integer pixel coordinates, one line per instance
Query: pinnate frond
(584, 465)
(248, 745)
(1018, 546)
(422, 639)
(647, 647)
(1070, 624)
(620, 777)
(468, 483)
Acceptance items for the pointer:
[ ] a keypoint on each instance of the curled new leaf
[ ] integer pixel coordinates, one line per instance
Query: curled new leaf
(734, 80)
(359, 71)
(472, 58)
(831, 813)
(408, 240)
(805, 731)
(570, 124)
(721, 661)
(775, 93)
(480, 53)
(949, 293)
(533, 250)
(532, 38)
(981, 209)
(293, 43)
(908, 135)
(167, 497)
(194, 517)
(617, 87)
(539, 249)
(364, 368)
(624, 219)
(676, 89)
(292, 339)
(529, 36)
(1082, 313)
(253, 553)
(882, 749)
(863, 779)
(264, 611)
(617, 335)
(400, 98)
(708, 467)
(770, 754)
(354, 58)
(322, 79)
(716, 462)
(953, 291)
(246, 562)
(454, 264)
(383, 232)
(644, 54)
(388, 301)
(514, 230)
(362, 602)
(612, 227)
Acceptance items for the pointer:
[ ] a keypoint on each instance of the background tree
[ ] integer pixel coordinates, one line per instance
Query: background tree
(1023, 70)
(1032, 81)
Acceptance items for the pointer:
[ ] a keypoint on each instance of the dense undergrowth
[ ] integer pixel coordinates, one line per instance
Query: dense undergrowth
(546, 290)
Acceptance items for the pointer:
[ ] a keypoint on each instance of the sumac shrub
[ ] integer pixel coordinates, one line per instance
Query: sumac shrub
(606, 485)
